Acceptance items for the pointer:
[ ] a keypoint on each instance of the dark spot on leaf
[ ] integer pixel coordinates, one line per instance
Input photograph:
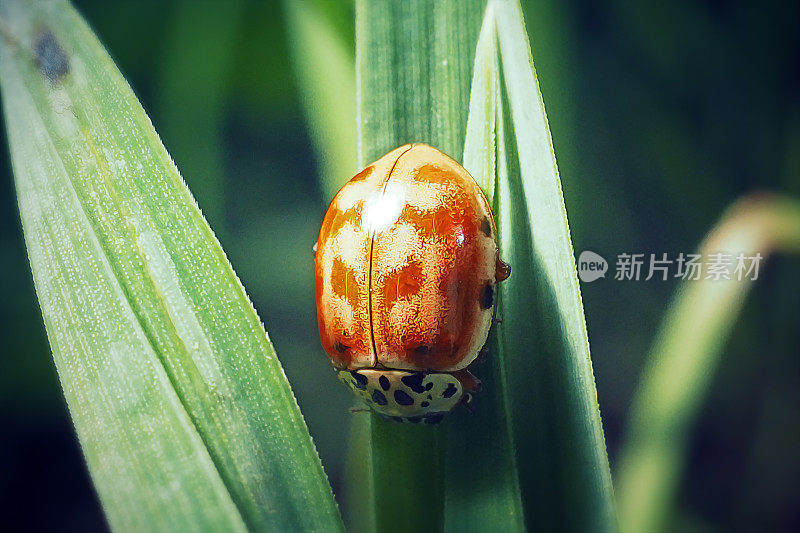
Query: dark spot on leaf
(50, 58)
(378, 397)
(359, 381)
(425, 404)
(402, 398)
(414, 382)
(449, 391)
(487, 296)
(384, 383)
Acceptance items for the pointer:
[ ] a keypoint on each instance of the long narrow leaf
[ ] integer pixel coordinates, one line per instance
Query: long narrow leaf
(563, 467)
(562, 460)
(184, 415)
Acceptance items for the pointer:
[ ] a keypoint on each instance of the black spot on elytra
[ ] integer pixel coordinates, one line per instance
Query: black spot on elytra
(486, 226)
(339, 347)
(434, 418)
(429, 396)
(50, 58)
(425, 404)
(429, 386)
(414, 382)
(378, 397)
(449, 391)
(384, 383)
(402, 398)
(359, 381)
(423, 349)
(487, 296)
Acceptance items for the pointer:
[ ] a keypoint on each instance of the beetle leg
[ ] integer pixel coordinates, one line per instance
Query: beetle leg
(468, 381)
(502, 270)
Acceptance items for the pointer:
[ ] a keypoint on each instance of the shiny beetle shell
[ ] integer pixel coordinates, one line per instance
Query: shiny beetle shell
(406, 267)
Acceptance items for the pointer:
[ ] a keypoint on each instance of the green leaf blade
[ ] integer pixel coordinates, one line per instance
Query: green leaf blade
(563, 467)
(186, 419)
(413, 74)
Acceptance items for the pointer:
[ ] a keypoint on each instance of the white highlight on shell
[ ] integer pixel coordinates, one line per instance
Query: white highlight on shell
(382, 208)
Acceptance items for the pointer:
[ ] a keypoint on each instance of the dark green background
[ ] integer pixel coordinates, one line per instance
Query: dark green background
(662, 114)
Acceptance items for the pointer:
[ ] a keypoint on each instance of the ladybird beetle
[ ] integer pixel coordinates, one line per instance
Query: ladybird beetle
(406, 267)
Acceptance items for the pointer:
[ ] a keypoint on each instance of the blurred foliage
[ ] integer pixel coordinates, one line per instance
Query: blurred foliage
(686, 354)
(322, 52)
(661, 115)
